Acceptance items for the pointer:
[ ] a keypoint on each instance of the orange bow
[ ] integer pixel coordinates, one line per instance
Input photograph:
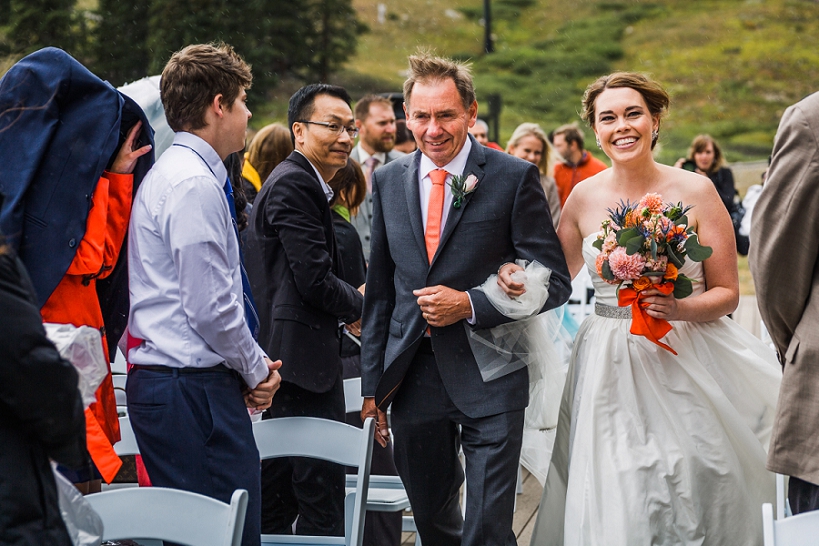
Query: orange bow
(641, 323)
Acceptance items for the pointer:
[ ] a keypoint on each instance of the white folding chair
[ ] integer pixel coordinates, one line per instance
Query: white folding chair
(119, 381)
(172, 515)
(801, 530)
(127, 444)
(581, 302)
(386, 493)
(330, 441)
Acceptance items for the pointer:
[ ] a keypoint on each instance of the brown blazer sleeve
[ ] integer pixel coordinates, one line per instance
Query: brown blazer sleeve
(785, 227)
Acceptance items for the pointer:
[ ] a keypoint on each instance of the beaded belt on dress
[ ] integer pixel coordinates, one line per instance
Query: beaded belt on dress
(610, 311)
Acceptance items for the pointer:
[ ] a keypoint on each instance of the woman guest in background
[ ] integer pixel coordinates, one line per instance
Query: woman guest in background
(270, 146)
(705, 157)
(349, 190)
(529, 142)
(404, 141)
(655, 447)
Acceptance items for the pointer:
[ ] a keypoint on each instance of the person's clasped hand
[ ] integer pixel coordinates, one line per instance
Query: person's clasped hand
(261, 397)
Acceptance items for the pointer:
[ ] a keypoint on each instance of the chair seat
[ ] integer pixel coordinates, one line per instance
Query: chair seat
(385, 494)
(274, 540)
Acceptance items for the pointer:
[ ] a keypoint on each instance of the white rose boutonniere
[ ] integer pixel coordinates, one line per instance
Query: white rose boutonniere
(461, 187)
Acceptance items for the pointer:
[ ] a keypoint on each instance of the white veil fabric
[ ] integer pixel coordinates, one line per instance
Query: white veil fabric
(533, 339)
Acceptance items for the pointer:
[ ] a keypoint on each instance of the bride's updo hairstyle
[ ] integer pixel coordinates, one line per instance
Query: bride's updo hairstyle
(653, 94)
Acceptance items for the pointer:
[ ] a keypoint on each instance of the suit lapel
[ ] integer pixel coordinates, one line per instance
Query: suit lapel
(474, 165)
(414, 203)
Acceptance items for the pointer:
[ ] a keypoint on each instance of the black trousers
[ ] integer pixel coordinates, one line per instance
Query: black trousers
(311, 489)
(426, 424)
(803, 496)
(194, 434)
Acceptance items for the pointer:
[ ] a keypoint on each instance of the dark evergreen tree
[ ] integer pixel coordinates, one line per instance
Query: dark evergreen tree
(121, 41)
(334, 35)
(34, 24)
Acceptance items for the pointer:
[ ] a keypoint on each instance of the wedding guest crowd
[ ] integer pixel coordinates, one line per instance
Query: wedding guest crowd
(256, 282)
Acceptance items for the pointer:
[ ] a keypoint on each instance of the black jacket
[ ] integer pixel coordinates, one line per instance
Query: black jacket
(294, 268)
(41, 416)
(353, 267)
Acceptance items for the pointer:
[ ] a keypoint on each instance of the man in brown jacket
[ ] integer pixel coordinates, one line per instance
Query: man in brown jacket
(784, 259)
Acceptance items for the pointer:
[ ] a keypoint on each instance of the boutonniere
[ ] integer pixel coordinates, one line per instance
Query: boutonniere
(461, 187)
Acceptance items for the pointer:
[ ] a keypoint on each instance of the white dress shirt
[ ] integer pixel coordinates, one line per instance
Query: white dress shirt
(455, 167)
(363, 156)
(184, 268)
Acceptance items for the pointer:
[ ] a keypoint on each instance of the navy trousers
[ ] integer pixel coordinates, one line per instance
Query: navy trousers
(425, 424)
(194, 434)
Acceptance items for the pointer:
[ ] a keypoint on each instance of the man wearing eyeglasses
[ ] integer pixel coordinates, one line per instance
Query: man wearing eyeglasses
(293, 262)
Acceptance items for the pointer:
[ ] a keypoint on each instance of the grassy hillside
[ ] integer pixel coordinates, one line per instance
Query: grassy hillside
(732, 66)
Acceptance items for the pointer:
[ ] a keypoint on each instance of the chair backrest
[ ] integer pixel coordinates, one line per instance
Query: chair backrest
(327, 440)
(800, 530)
(172, 515)
(127, 444)
(353, 401)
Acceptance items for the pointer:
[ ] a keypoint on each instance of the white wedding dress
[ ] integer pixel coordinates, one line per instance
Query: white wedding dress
(657, 449)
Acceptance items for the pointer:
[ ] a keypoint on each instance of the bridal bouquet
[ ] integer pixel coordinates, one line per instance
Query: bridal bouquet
(643, 246)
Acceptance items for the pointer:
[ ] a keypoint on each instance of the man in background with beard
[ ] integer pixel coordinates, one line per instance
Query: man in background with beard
(375, 120)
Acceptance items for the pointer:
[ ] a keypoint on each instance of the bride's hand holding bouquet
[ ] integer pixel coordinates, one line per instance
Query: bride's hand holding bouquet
(642, 247)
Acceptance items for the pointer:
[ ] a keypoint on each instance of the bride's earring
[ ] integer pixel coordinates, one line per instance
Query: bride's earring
(655, 134)
(597, 139)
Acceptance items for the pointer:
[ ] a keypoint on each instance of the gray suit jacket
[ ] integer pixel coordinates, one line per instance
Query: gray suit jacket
(503, 219)
(363, 221)
(784, 260)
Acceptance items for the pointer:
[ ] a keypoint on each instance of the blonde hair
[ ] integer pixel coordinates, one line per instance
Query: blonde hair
(523, 130)
(269, 147)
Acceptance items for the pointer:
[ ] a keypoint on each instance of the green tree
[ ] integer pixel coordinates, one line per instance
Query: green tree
(333, 37)
(121, 41)
(34, 24)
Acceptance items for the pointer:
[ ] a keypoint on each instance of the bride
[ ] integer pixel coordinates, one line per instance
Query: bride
(654, 448)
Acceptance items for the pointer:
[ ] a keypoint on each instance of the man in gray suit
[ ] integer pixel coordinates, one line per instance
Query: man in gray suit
(375, 120)
(431, 244)
(784, 260)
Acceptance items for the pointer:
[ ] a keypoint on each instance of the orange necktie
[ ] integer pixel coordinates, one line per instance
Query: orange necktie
(435, 211)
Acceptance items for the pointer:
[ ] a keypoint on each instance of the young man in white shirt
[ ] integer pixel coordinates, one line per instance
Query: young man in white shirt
(195, 365)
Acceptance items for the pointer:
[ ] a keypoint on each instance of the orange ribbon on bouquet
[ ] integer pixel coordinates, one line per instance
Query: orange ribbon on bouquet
(643, 324)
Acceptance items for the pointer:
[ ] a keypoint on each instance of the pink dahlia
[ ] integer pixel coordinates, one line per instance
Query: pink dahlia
(626, 267)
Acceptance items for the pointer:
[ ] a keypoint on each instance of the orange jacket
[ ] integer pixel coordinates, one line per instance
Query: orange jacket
(567, 176)
(75, 301)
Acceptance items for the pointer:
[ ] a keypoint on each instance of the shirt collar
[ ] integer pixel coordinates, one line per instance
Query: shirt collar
(205, 151)
(455, 167)
(328, 191)
(364, 156)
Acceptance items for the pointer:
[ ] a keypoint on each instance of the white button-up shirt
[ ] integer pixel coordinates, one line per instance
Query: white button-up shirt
(455, 167)
(184, 267)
